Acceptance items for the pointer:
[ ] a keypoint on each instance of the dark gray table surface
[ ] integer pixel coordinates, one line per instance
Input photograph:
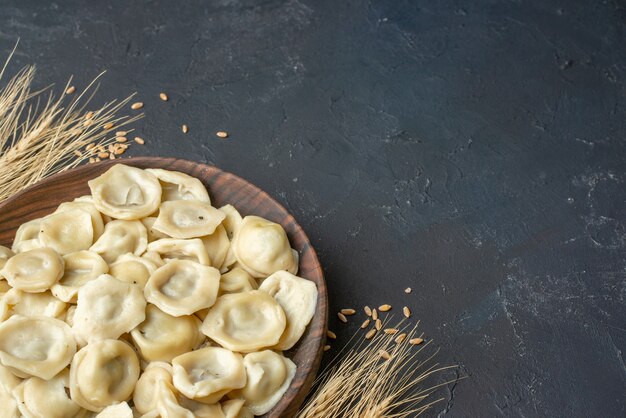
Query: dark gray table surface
(473, 150)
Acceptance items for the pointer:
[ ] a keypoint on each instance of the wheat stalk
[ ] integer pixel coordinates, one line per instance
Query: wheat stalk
(361, 383)
(42, 136)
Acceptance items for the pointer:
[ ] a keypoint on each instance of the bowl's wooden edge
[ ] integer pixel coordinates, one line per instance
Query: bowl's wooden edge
(308, 352)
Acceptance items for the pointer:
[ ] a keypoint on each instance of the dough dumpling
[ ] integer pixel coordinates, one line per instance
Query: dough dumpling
(236, 281)
(27, 236)
(8, 382)
(245, 321)
(161, 337)
(125, 192)
(235, 408)
(5, 254)
(153, 234)
(298, 298)
(262, 247)
(119, 410)
(86, 203)
(206, 375)
(132, 269)
(268, 376)
(181, 249)
(103, 373)
(67, 231)
(34, 270)
(37, 346)
(217, 245)
(179, 186)
(182, 287)
(80, 267)
(232, 222)
(121, 237)
(38, 398)
(107, 308)
(187, 219)
(16, 302)
(156, 394)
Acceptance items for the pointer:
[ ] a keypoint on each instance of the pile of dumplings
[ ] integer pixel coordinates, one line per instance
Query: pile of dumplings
(143, 300)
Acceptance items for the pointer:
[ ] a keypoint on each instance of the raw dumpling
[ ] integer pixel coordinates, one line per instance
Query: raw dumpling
(179, 186)
(16, 302)
(217, 245)
(155, 393)
(37, 346)
(119, 410)
(69, 315)
(5, 254)
(107, 308)
(187, 219)
(235, 408)
(182, 287)
(124, 192)
(298, 298)
(103, 373)
(262, 247)
(34, 270)
(201, 410)
(269, 375)
(161, 337)
(245, 321)
(80, 267)
(153, 234)
(181, 249)
(132, 269)
(86, 203)
(8, 382)
(154, 257)
(232, 223)
(208, 374)
(38, 398)
(67, 231)
(236, 281)
(27, 237)
(121, 237)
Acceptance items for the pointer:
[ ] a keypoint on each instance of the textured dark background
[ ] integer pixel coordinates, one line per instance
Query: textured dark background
(473, 150)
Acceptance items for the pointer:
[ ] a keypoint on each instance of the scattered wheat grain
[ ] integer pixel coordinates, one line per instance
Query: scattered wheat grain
(222, 134)
(378, 324)
(368, 311)
(400, 338)
(384, 308)
(391, 331)
(326, 347)
(408, 290)
(140, 141)
(331, 334)
(185, 129)
(70, 90)
(406, 311)
(374, 314)
(136, 105)
(163, 97)
(416, 341)
(365, 324)
(342, 317)
(348, 311)
(370, 334)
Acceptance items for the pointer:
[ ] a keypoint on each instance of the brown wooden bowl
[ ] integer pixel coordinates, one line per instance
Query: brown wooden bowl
(42, 198)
